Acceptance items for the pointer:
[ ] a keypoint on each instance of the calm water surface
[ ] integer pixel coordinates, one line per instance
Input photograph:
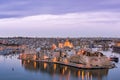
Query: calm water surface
(12, 68)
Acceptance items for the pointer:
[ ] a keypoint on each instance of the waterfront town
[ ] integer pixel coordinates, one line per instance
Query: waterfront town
(75, 52)
(59, 39)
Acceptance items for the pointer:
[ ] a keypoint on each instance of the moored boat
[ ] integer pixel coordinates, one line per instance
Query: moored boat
(114, 58)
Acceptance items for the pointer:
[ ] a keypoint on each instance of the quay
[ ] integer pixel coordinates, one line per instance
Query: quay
(76, 65)
(79, 66)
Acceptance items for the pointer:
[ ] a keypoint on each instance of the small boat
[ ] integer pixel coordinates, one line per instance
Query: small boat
(114, 58)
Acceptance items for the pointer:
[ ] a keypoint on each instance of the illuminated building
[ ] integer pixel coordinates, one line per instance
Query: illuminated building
(68, 44)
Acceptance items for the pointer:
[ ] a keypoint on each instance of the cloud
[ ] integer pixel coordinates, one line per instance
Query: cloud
(83, 16)
(72, 24)
(22, 8)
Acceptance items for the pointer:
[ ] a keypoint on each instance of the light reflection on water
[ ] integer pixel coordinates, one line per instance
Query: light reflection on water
(15, 69)
(64, 71)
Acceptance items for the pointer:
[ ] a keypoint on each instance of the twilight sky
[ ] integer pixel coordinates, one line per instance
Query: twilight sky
(60, 18)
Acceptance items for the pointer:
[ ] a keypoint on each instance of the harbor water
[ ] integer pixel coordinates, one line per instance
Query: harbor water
(12, 68)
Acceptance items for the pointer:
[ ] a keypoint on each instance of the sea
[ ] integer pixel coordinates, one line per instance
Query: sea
(12, 68)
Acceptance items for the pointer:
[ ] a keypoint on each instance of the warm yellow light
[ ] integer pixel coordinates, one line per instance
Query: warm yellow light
(63, 71)
(55, 59)
(45, 65)
(28, 61)
(34, 57)
(68, 44)
(45, 57)
(54, 67)
(118, 44)
(82, 75)
(65, 68)
(53, 46)
(34, 64)
(60, 45)
(65, 61)
(79, 73)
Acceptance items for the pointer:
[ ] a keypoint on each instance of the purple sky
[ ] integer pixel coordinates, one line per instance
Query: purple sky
(60, 18)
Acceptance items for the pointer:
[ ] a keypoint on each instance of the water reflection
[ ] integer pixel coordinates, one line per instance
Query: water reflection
(64, 71)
